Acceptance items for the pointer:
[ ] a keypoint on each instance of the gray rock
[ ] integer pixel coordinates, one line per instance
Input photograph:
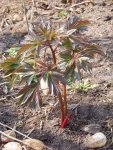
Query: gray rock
(92, 128)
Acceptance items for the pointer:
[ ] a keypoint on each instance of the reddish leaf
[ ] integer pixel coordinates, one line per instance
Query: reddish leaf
(26, 47)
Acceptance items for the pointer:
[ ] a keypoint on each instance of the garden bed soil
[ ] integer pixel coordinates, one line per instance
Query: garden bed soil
(95, 105)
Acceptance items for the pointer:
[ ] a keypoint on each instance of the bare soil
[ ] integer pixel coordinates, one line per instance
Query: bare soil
(96, 105)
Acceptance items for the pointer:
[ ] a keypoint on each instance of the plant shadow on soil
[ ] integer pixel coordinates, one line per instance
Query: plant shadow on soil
(9, 40)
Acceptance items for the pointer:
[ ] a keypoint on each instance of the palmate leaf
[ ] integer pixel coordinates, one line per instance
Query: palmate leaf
(67, 43)
(86, 66)
(69, 32)
(92, 49)
(23, 70)
(27, 93)
(27, 74)
(83, 63)
(74, 67)
(77, 58)
(79, 40)
(27, 88)
(59, 77)
(73, 72)
(47, 32)
(78, 23)
(14, 80)
(70, 72)
(27, 47)
(10, 65)
(53, 78)
(13, 62)
(29, 78)
(66, 56)
(32, 78)
(52, 34)
(26, 97)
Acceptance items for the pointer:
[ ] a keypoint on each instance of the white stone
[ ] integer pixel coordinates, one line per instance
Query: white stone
(17, 18)
(95, 141)
(12, 146)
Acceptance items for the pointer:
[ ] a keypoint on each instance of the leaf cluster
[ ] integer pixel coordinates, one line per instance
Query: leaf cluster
(53, 55)
(85, 85)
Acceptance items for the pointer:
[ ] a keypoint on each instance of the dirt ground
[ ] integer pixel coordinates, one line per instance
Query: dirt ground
(96, 105)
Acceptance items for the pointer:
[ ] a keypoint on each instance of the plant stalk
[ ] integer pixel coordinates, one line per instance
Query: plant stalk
(65, 100)
(61, 107)
(40, 100)
(53, 52)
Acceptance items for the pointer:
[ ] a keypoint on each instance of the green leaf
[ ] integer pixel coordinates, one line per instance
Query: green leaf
(26, 97)
(58, 77)
(86, 85)
(67, 43)
(27, 88)
(62, 14)
(12, 51)
(66, 56)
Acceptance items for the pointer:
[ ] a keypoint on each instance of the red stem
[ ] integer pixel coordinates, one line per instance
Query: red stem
(40, 100)
(61, 107)
(53, 52)
(65, 100)
(56, 47)
(66, 120)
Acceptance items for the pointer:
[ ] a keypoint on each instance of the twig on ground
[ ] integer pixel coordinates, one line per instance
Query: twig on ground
(78, 4)
(14, 130)
(30, 132)
(25, 15)
(75, 5)
(4, 83)
(24, 148)
(15, 139)
(22, 142)
(41, 125)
